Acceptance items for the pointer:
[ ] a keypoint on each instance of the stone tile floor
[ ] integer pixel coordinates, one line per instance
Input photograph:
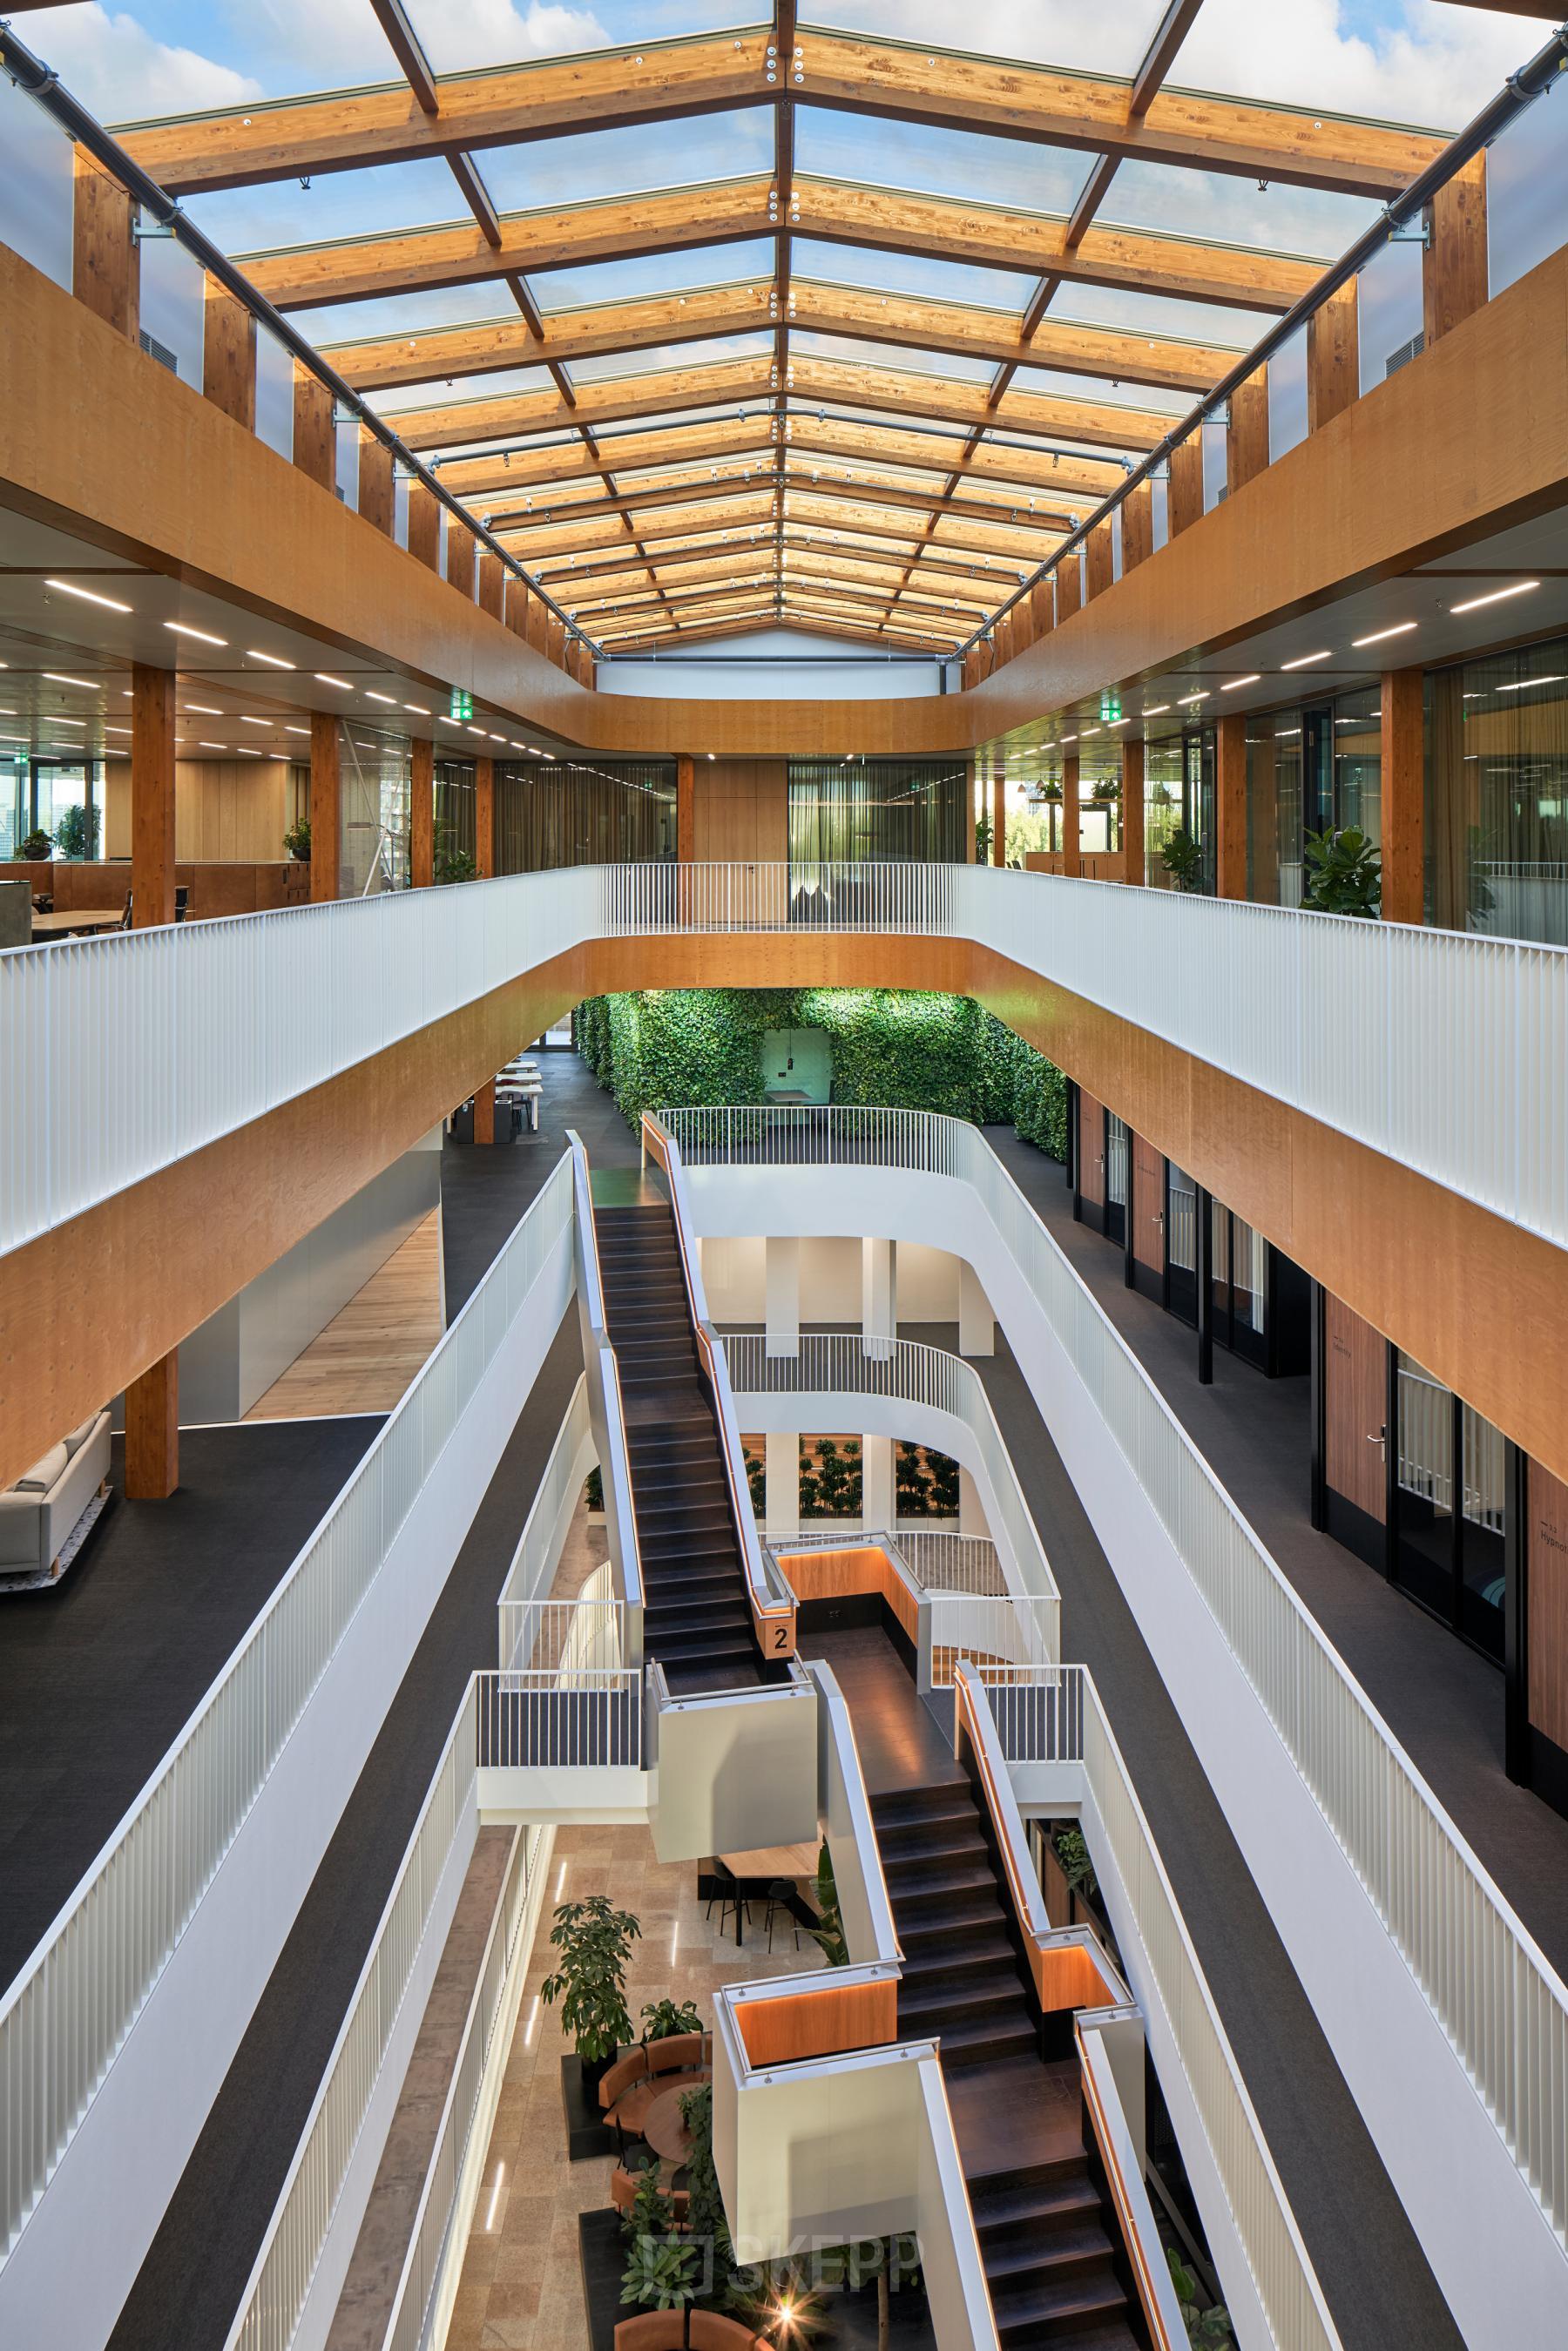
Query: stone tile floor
(521, 2288)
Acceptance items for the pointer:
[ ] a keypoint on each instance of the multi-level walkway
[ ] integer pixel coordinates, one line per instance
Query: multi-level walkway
(1441, 1700)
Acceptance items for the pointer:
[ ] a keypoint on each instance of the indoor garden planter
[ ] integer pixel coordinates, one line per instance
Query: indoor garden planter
(594, 1942)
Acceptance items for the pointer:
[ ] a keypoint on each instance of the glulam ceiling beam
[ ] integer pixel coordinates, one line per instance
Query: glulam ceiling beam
(661, 80)
(994, 236)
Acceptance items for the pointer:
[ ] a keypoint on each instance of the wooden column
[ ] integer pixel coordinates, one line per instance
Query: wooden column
(326, 820)
(424, 526)
(1069, 577)
(152, 795)
(106, 273)
(484, 817)
(1230, 805)
(152, 1432)
(485, 1111)
(378, 499)
(998, 819)
(151, 1401)
(1133, 810)
(686, 809)
(1334, 357)
(1099, 560)
(491, 583)
(1070, 861)
(1454, 267)
(1404, 796)
(1137, 527)
(1183, 491)
(313, 450)
(460, 557)
(228, 355)
(1246, 437)
(421, 814)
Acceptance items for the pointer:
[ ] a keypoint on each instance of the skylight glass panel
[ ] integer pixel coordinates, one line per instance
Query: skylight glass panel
(1007, 291)
(1053, 383)
(1160, 314)
(1222, 207)
(659, 358)
(671, 271)
(463, 392)
(285, 212)
(966, 166)
(1108, 39)
(907, 361)
(486, 303)
(461, 39)
(628, 160)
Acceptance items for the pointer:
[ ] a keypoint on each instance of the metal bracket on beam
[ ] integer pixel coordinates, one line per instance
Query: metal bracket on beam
(1401, 232)
(145, 232)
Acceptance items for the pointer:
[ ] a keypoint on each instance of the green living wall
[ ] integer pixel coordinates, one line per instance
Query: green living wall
(896, 1048)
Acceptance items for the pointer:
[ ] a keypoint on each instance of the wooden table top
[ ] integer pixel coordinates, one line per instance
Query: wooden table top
(85, 918)
(665, 2126)
(774, 1860)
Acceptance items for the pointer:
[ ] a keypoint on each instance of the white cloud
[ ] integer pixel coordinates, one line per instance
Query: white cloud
(1438, 66)
(122, 73)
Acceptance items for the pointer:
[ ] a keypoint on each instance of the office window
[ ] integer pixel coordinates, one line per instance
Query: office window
(877, 811)
(1162, 806)
(1497, 795)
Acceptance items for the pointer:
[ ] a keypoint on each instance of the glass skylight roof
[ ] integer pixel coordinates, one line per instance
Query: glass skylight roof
(1371, 64)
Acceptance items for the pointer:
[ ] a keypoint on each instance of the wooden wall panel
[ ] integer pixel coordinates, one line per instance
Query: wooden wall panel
(1355, 1406)
(1547, 1570)
(231, 809)
(1148, 1206)
(742, 811)
(1090, 1149)
(819, 2023)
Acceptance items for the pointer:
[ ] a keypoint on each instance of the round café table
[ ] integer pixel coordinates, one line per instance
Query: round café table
(665, 2127)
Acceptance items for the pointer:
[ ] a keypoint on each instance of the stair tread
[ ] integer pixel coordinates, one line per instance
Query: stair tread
(1062, 2298)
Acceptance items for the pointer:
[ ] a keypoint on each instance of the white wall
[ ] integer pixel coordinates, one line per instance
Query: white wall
(734, 1277)
(749, 668)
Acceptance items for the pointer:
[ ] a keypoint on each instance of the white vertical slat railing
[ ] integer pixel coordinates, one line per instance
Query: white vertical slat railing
(1501, 2006)
(134, 1049)
(71, 2006)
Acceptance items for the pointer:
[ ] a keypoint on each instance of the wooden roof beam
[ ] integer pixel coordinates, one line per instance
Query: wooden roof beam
(995, 236)
(660, 81)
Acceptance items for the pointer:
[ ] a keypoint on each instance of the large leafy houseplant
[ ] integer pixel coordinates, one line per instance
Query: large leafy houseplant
(1345, 873)
(661, 2272)
(1183, 860)
(296, 839)
(664, 2019)
(594, 1941)
(829, 1929)
(1207, 2330)
(76, 833)
(706, 2222)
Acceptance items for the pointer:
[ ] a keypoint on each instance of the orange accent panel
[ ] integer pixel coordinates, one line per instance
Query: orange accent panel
(819, 2023)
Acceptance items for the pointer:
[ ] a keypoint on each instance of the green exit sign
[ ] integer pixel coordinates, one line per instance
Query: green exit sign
(1110, 705)
(462, 703)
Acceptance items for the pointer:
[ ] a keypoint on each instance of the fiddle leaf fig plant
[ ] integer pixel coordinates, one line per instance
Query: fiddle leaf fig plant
(594, 1941)
(1344, 870)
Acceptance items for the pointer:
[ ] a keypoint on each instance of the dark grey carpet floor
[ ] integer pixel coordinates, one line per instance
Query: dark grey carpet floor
(99, 1674)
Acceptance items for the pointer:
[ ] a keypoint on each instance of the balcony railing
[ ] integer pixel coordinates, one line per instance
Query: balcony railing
(1501, 2006)
(71, 2007)
(133, 1050)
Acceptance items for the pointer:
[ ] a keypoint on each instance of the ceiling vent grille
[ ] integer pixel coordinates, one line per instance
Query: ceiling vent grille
(159, 352)
(1404, 355)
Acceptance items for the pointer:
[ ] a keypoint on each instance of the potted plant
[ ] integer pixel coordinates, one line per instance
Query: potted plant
(593, 1494)
(36, 848)
(829, 1929)
(706, 2225)
(594, 1941)
(1072, 1853)
(77, 835)
(296, 839)
(661, 2270)
(664, 2019)
(1183, 860)
(1346, 871)
(1207, 2330)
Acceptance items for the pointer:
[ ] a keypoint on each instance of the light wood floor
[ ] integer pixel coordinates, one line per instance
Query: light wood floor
(370, 1352)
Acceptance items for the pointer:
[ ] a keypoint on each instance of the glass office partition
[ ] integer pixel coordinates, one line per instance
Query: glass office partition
(559, 812)
(1450, 1507)
(1358, 763)
(1287, 395)
(1527, 189)
(877, 810)
(37, 185)
(1274, 809)
(1389, 312)
(1162, 806)
(173, 317)
(274, 392)
(1497, 795)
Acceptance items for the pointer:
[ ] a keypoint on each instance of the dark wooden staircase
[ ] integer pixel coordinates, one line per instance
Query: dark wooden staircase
(1046, 2239)
(696, 1616)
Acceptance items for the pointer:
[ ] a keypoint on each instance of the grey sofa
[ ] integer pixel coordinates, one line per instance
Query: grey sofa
(41, 1512)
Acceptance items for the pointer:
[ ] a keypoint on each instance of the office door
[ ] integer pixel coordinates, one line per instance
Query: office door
(1355, 1436)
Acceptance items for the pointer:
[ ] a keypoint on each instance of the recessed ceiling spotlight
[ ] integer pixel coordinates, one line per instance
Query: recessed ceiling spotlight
(1400, 629)
(1495, 596)
(204, 636)
(273, 660)
(87, 595)
(1305, 660)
